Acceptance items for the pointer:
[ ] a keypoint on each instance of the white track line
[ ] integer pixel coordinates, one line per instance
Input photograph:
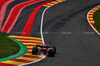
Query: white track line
(33, 62)
(89, 21)
(41, 34)
(41, 28)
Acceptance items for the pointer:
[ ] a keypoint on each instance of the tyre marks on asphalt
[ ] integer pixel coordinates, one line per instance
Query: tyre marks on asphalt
(90, 18)
(28, 57)
(3, 7)
(14, 14)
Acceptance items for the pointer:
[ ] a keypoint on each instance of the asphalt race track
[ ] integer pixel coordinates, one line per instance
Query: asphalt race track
(66, 26)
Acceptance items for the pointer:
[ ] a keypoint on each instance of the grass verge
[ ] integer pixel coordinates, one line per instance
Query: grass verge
(7, 46)
(96, 17)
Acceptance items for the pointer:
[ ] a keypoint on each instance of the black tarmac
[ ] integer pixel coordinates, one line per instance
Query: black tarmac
(66, 27)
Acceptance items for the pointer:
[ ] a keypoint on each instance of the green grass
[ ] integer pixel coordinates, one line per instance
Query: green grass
(7, 46)
(96, 17)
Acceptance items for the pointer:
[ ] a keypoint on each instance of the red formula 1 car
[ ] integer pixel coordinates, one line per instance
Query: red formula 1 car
(47, 50)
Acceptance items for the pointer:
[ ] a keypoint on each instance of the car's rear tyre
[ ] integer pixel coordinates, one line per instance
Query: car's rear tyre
(51, 53)
(54, 48)
(37, 45)
(35, 50)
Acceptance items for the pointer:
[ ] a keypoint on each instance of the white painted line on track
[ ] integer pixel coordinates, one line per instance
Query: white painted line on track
(33, 62)
(41, 28)
(41, 33)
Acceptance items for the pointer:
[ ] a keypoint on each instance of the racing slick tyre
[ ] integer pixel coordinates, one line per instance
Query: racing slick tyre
(37, 45)
(51, 53)
(54, 48)
(35, 50)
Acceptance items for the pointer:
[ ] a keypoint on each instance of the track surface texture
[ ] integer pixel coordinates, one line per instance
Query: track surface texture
(66, 26)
